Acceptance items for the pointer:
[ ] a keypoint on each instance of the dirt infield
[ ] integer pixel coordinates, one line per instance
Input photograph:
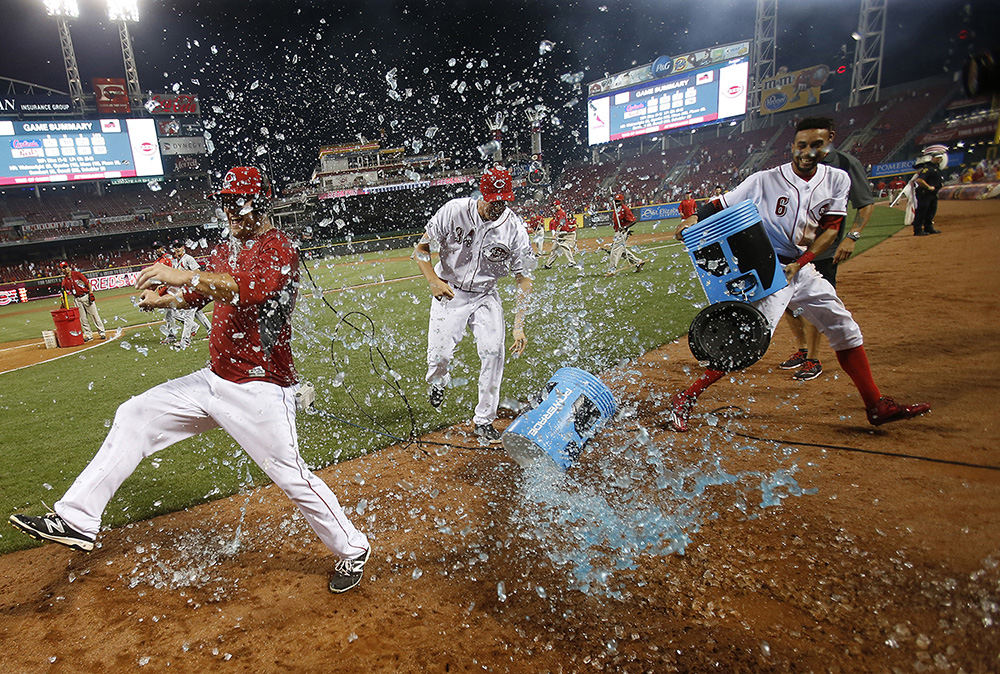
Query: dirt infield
(873, 562)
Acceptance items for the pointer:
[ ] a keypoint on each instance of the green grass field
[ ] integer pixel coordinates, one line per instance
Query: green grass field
(54, 416)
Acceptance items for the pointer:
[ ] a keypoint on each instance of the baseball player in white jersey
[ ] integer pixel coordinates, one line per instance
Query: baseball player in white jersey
(479, 241)
(248, 389)
(802, 204)
(191, 316)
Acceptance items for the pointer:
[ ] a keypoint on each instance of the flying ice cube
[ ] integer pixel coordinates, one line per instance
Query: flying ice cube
(390, 78)
(261, 150)
(254, 84)
(152, 105)
(154, 186)
(452, 62)
(461, 87)
(545, 46)
(431, 131)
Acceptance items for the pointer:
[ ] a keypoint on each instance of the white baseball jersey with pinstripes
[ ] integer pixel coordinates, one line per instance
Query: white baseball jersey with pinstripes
(790, 207)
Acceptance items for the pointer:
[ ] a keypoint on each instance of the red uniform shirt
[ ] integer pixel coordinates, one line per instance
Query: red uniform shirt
(251, 340)
(76, 285)
(534, 223)
(561, 223)
(688, 208)
(624, 218)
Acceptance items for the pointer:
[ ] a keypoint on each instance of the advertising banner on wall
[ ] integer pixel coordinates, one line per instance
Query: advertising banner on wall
(112, 96)
(21, 105)
(173, 104)
(791, 90)
(180, 145)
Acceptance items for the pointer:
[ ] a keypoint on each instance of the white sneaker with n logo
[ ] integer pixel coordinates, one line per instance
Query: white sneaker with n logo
(51, 527)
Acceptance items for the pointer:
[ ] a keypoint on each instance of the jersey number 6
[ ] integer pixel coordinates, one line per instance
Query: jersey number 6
(781, 207)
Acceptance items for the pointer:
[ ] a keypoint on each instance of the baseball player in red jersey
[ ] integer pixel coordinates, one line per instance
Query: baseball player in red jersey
(688, 208)
(248, 389)
(535, 226)
(479, 241)
(563, 228)
(622, 218)
(77, 285)
(802, 204)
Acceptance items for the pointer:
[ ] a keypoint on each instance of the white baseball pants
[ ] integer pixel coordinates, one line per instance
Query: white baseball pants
(88, 310)
(819, 303)
(482, 312)
(619, 247)
(190, 317)
(260, 416)
(539, 239)
(565, 243)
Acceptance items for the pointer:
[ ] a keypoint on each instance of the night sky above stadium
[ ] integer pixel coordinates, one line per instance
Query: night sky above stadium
(279, 78)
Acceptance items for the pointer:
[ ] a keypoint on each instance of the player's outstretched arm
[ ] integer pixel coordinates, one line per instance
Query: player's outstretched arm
(221, 287)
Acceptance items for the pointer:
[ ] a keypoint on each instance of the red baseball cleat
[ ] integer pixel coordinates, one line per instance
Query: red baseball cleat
(887, 409)
(680, 410)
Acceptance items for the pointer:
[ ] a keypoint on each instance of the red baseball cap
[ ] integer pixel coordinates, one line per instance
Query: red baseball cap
(556, 202)
(63, 264)
(497, 185)
(245, 180)
(620, 197)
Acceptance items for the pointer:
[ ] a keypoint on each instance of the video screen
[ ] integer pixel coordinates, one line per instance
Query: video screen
(38, 152)
(682, 100)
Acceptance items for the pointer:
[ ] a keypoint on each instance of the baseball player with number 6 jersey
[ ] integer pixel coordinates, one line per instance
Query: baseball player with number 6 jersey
(802, 204)
(479, 241)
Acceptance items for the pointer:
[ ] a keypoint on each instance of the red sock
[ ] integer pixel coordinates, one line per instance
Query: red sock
(703, 382)
(855, 363)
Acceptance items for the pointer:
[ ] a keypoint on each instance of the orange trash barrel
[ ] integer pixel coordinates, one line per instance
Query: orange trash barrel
(69, 332)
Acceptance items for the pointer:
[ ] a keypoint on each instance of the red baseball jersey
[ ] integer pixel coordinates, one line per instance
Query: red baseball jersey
(688, 208)
(251, 340)
(76, 285)
(623, 218)
(534, 223)
(561, 223)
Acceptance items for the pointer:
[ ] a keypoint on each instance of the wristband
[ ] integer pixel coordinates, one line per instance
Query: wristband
(806, 258)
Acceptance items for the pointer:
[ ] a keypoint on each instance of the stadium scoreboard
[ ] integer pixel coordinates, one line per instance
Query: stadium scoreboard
(689, 90)
(38, 152)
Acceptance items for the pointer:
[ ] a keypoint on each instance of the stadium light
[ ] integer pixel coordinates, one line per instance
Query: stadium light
(123, 10)
(66, 8)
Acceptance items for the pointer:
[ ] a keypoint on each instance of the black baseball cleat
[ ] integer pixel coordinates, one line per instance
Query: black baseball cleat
(436, 396)
(51, 527)
(487, 434)
(347, 572)
(795, 360)
(810, 369)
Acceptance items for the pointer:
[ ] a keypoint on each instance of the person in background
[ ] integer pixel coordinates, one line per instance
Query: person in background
(191, 316)
(623, 219)
(563, 228)
(77, 285)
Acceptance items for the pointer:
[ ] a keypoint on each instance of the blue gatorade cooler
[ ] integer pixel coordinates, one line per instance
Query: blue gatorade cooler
(733, 256)
(571, 408)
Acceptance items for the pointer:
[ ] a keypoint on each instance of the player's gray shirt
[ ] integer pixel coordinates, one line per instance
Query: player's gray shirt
(861, 194)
